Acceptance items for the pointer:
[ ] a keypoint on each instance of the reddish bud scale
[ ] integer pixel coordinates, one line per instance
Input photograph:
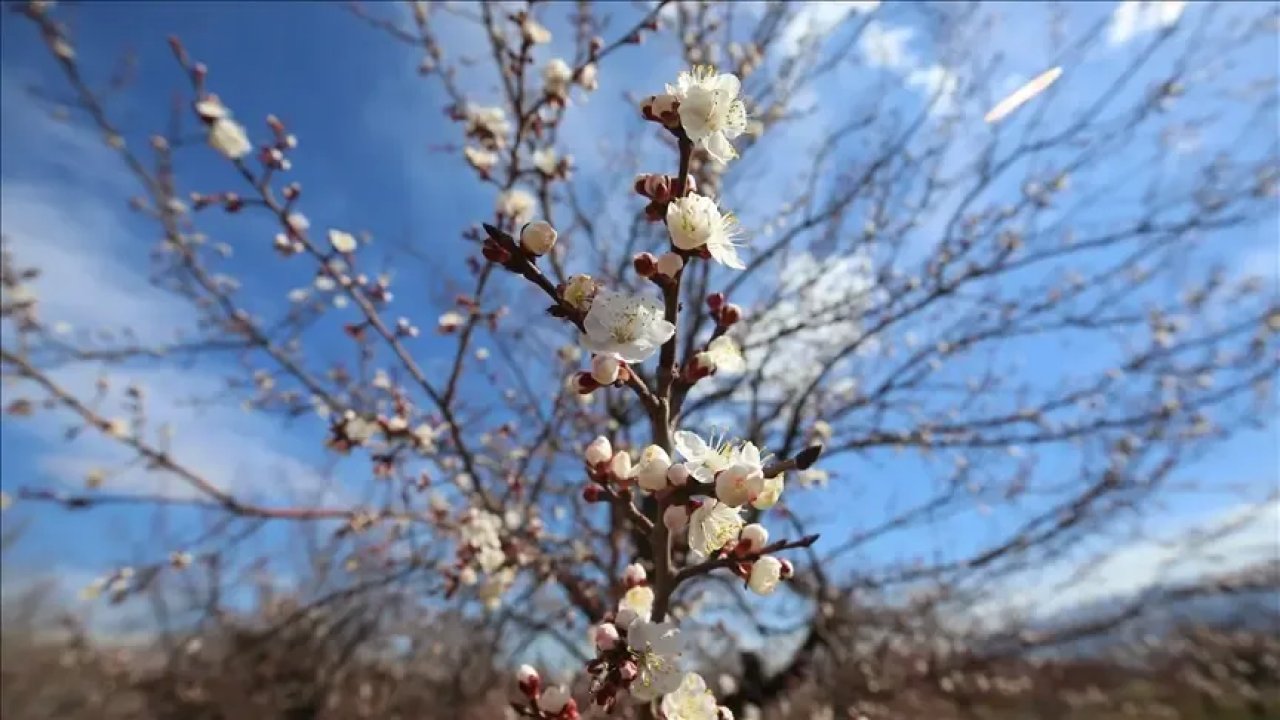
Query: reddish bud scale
(645, 264)
(493, 253)
(715, 301)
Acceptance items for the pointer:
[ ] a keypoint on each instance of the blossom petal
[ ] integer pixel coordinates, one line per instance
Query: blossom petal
(690, 446)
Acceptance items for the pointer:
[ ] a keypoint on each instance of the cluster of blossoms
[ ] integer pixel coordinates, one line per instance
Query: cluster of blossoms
(703, 491)
(481, 549)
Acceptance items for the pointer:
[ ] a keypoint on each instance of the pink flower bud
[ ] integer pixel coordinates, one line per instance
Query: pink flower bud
(634, 575)
(788, 570)
(715, 301)
(628, 671)
(553, 700)
(678, 474)
(620, 467)
(645, 264)
(730, 314)
(606, 636)
(753, 538)
(669, 264)
(528, 680)
(599, 451)
(604, 369)
(675, 518)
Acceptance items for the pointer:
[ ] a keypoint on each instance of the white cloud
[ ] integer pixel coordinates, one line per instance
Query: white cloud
(63, 210)
(1132, 18)
(813, 20)
(886, 46)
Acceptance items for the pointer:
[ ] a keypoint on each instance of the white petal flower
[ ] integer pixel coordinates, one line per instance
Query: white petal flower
(691, 701)
(765, 491)
(482, 160)
(765, 575)
(634, 574)
(630, 327)
(489, 124)
(556, 76)
(695, 221)
(516, 204)
(343, 242)
(589, 78)
(712, 526)
(546, 161)
(659, 647)
(229, 138)
(534, 32)
(733, 485)
(711, 112)
(638, 600)
(553, 699)
(726, 355)
(651, 472)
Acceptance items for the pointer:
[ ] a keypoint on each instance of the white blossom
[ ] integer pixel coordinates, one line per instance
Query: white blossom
(620, 466)
(553, 699)
(534, 32)
(634, 574)
(712, 526)
(711, 112)
(480, 159)
(630, 327)
(765, 491)
(694, 221)
(765, 575)
(605, 636)
(516, 204)
(343, 242)
(556, 76)
(546, 160)
(675, 518)
(691, 701)
(229, 138)
(638, 600)
(669, 264)
(589, 78)
(705, 459)
(490, 122)
(659, 647)
(725, 355)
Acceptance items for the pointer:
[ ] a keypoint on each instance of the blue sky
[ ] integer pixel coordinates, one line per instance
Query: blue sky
(377, 153)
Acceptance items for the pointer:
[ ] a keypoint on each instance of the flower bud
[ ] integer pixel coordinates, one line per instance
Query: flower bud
(732, 487)
(634, 575)
(724, 713)
(654, 187)
(606, 636)
(715, 301)
(528, 680)
(599, 451)
(652, 470)
(604, 369)
(702, 365)
(553, 700)
(645, 264)
(620, 466)
(676, 518)
(730, 314)
(670, 264)
(765, 574)
(788, 570)
(538, 237)
(628, 671)
(584, 383)
(625, 617)
(753, 538)
(593, 494)
(678, 474)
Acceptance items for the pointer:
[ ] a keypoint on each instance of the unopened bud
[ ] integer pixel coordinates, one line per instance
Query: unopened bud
(538, 237)
(606, 636)
(628, 671)
(604, 369)
(620, 466)
(753, 538)
(634, 575)
(715, 301)
(730, 314)
(670, 264)
(675, 518)
(593, 494)
(645, 264)
(599, 451)
(787, 571)
(528, 680)
(584, 383)
(553, 700)
(678, 474)
(702, 365)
